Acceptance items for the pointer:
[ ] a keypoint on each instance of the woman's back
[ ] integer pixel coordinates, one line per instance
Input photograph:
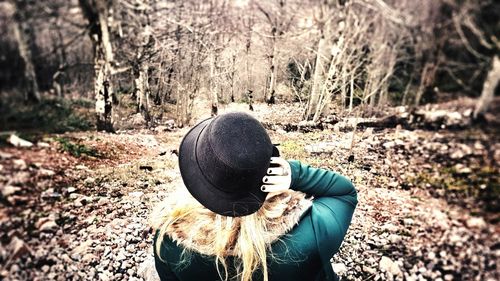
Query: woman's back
(302, 237)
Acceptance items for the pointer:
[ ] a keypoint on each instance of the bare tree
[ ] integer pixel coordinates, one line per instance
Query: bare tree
(23, 34)
(97, 14)
(492, 81)
(279, 19)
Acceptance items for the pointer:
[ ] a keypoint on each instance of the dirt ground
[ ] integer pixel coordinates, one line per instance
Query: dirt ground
(427, 203)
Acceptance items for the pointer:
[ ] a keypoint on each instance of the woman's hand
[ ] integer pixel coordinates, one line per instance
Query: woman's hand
(278, 177)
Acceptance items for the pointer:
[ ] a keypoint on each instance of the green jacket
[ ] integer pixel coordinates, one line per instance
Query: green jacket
(302, 254)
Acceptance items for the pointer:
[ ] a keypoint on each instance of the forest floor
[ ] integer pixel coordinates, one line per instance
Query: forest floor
(75, 206)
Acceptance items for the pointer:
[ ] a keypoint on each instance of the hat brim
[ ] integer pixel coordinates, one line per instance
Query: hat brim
(216, 200)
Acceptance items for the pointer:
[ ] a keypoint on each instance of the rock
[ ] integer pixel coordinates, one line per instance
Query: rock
(46, 172)
(89, 181)
(387, 265)
(18, 142)
(81, 167)
(461, 151)
(42, 144)
(137, 119)
(408, 222)
(14, 268)
(19, 164)
(461, 169)
(394, 239)
(87, 258)
(104, 276)
(8, 190)
(46, 225)
(453, 119)
(339, 268)
(389, 227)
(137, 194)
(448, 277)
(163, 128)
(431, 255)
(18, 248)
(475, 222)
(71, 189)
(146, 269)
(5, 155)
(369, 270)
(130, 272)
(120, 257)
(50, 194)
(170, 123)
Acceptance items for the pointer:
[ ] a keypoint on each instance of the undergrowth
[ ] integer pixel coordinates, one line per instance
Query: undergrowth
(50, 115)
(77, 149)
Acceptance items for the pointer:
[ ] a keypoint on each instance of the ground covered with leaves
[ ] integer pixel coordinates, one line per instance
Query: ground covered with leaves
(75, 206)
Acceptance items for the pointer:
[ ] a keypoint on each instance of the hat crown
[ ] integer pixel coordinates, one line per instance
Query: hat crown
(233, 152)
(240, 141)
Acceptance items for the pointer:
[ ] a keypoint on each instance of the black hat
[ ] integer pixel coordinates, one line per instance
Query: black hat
(222, 162)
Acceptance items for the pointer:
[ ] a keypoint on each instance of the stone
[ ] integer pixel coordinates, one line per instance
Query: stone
(14, 268)
(369, 270)
(71, 189)
(475, 222)
(19, 142)
(120, 256)
(42, 144)
(448, 277)
(339, 268)
(82, 248)
(408, 221)
(137, 194)
(87, 258)
(8, 190)
(89, 181)
(394, 239)
(19, 164)
(46, 172)
(18, 248)
(461, 169)
(389, 227)
(104, 276)
(387, 265)
(46, 225)
(5, 155)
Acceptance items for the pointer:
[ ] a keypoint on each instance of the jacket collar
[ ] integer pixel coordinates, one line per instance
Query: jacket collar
(191, 237)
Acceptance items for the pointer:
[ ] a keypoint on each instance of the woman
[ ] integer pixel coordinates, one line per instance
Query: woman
(254, 216)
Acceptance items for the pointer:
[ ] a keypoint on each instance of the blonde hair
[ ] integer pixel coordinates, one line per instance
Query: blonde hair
(247, 238)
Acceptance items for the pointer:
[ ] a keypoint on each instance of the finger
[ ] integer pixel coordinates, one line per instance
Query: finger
(273, 188)
(276, 179)
(275, 171)
(280, 161)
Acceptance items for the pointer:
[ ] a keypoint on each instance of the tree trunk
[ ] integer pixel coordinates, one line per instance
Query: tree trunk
(142, 90)
(489, 87)
(426, 80)
(214, 85)
(270, 99)
(24, 35)
(96, 13)
(322, 58)
(351, 97)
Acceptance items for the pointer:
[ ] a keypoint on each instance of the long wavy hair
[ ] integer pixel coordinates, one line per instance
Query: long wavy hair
(246, 238)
